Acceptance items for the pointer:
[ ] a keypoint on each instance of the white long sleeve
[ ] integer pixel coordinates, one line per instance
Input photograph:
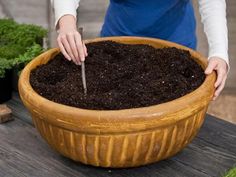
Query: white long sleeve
(213, 17)
(64, 7)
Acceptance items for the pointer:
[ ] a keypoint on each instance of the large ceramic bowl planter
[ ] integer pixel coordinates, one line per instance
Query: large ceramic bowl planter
(119, 138)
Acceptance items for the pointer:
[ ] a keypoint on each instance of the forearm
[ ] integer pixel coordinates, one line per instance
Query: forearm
(69, 40)
(65, 8)
(213, 15)
(67, 22)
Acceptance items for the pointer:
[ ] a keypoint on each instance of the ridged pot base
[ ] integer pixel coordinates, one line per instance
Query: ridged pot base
(121, 149)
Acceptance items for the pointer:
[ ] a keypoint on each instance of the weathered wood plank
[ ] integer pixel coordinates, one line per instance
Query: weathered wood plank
(18, 109)
(8, 171)
(219, 133)
(26, 152)
(205, 160)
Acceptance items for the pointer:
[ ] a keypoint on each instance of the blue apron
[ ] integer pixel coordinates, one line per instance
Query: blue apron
(171, 20)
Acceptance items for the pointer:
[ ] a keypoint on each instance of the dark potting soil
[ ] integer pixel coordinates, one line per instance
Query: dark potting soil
(119, 76)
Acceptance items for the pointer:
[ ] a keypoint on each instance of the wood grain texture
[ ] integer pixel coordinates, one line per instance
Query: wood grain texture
(163, 125)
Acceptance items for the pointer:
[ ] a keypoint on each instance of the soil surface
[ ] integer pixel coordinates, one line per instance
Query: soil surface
(119, 76)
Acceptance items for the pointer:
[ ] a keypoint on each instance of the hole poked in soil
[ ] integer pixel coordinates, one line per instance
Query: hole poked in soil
(119, 76)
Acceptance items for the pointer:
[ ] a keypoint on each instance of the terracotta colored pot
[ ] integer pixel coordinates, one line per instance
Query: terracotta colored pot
(118, 138)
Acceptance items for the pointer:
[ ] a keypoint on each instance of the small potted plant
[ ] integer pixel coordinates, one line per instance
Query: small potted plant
(19, 43)
(20, 62)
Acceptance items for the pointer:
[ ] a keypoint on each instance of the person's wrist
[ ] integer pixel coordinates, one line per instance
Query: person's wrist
(67, 22)
(222, 62)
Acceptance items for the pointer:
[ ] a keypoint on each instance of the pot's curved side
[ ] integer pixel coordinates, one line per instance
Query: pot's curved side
(121, 138)
(121, 149)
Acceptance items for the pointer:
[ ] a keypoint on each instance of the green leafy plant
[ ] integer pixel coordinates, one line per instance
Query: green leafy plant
(25, 58)
(231, 173)
(4, 65)
(19, 43)
(7, 25)
(30, 53)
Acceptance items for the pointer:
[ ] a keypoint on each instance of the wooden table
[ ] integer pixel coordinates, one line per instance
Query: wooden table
(24, 153)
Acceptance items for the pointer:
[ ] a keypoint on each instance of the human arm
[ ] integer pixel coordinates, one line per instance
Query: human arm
(69, 39)
(213, 16)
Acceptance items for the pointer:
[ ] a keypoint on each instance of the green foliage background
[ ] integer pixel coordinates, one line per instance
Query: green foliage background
(231, 173)
(19, 43)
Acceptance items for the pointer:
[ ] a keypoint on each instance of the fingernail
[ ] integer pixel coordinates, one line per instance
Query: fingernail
(82, 58)
(75, 62)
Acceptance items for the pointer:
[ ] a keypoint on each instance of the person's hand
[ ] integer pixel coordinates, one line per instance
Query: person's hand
(69, 40)
(220, 66)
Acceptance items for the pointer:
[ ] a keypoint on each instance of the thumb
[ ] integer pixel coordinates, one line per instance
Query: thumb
(211, 66)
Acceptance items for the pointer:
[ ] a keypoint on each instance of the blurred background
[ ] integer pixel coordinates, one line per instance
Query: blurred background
(91, 14)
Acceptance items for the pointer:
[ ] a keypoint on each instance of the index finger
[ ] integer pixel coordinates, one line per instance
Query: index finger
(79, 45)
